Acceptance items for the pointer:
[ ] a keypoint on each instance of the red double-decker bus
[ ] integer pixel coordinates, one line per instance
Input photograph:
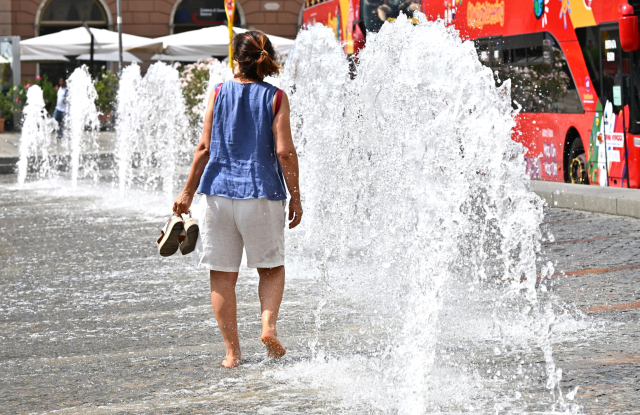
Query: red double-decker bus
(574, 67)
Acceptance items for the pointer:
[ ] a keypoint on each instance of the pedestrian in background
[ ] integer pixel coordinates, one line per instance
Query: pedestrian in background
(61, 105)
(238, 166)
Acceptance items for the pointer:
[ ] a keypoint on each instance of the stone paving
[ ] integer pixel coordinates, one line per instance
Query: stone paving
(600, 259)
(10, 151)
(94, 321)
(10, 144)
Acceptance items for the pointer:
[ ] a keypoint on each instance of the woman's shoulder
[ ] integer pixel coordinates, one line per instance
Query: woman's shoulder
(268, 88)
(268, 84)
(261, 87)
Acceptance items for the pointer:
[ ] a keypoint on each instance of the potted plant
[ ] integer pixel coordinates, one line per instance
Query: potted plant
(3, 104)
(106, 85)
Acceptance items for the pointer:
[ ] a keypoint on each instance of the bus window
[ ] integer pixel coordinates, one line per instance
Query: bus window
(534, 56)
(490, 54)
(519, 57)
(540, 77)
(376, 12)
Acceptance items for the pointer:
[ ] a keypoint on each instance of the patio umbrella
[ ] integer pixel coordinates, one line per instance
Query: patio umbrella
(202, 43)
(77, 42)
(182, 58)
(44, 58)
(110, 57)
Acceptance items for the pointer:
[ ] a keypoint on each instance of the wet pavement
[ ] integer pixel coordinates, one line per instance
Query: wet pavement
(10, 144)
(94, 321)
(597, 261)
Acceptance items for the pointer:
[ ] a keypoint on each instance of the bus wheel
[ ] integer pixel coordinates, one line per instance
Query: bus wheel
(577, 159)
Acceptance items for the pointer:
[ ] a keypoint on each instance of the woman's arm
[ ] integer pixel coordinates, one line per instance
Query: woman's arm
(288, 158)
(200, 160)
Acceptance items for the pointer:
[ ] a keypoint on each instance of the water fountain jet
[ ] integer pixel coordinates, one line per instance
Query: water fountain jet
(152, 128)
(416, 200)
(128, 125)
(81, 125)
(36, 137)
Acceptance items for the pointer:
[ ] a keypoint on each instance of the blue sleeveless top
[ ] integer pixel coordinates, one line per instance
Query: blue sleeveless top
(242, 160)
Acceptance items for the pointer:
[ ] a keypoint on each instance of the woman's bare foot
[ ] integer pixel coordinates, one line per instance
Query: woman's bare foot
(231, 361)
(274, 348)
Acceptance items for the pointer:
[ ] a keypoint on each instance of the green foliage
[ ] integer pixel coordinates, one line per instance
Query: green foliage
(49, 92)
(106, 85)
(14, 100)
(5, 105)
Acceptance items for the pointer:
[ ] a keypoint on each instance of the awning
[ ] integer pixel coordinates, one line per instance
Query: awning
(77, 41)
(202, 43)
(181, 58)
(43, 58)
(109, 57)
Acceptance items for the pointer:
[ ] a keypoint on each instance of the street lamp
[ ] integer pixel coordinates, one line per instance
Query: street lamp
(119, 22)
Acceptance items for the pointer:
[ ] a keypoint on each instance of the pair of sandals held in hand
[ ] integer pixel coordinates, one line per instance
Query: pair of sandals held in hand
(178, 234)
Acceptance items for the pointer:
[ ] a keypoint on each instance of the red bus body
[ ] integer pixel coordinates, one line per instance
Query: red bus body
(605, 114)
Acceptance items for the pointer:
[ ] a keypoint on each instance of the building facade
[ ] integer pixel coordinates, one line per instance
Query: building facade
(148, 18)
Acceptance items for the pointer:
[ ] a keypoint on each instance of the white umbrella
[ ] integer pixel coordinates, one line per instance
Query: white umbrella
(203, 43)
(77, 42)
(43, 58)
(182, 58)
(109, 57)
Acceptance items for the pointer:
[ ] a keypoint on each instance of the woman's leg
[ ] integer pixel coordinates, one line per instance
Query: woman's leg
(270, 290)
(223, 300)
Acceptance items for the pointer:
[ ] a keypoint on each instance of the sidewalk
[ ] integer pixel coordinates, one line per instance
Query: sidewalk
(612, 201)
(8, 152)
(10, 142)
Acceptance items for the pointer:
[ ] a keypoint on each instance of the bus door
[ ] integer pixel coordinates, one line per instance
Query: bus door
(613, 158)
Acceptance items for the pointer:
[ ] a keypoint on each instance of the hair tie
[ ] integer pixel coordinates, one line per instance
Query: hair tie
(264, 53)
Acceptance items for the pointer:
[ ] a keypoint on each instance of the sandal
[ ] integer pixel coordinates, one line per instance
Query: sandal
(190, 237)
(168, 242)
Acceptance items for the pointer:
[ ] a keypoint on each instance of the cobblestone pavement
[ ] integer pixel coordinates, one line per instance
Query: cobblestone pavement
(597, 261)
(94, 321)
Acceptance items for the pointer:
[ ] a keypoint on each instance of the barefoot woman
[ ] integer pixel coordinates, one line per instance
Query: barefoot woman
(238, 166)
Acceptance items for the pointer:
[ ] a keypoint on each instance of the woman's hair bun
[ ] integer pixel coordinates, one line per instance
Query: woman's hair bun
(255, 55)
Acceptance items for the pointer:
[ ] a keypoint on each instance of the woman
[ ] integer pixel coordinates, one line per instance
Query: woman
(238, 166)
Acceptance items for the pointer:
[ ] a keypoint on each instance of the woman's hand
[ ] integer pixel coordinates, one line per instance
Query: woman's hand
(183, 202)
(295, 212)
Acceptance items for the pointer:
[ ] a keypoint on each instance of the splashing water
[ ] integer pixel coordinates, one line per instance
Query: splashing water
(153, 133)
(36, 137)
(420, 221)
(82, 125)
(128, 125)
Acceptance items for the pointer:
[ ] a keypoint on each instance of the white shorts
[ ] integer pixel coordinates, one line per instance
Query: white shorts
(228, 225)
